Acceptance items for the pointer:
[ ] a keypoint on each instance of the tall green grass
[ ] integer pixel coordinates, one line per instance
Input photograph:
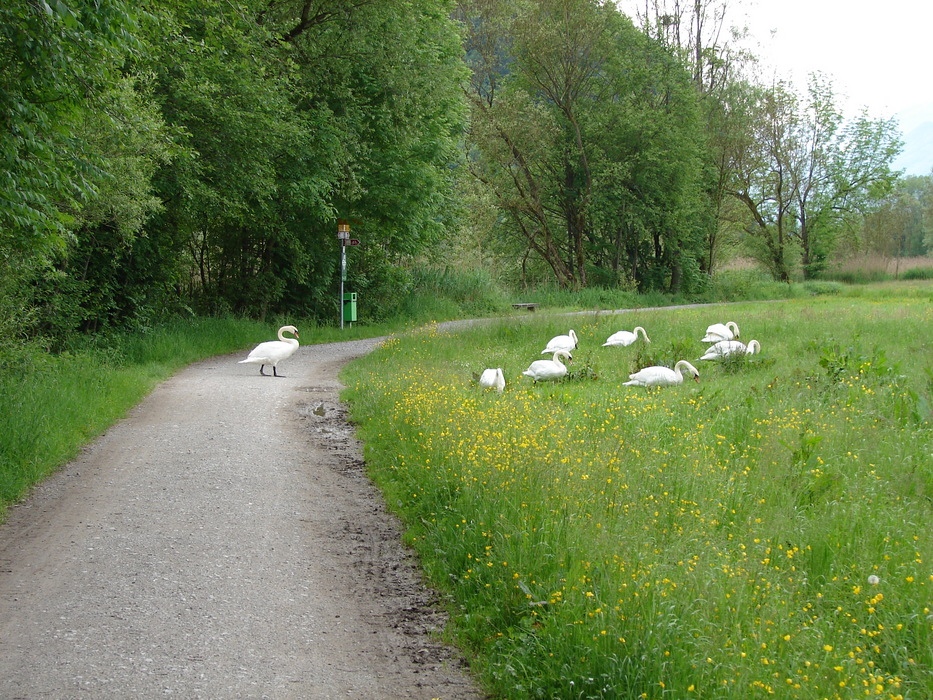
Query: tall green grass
(764, 533)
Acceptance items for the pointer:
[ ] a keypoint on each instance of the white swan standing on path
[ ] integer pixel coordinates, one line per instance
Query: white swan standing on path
(727, 348)
(492, 379)
(274, 351)
(542, 370)
(567, 343)
(721, 331)
(625, 338)
(662, 376)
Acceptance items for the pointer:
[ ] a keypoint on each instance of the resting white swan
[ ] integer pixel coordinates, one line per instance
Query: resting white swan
(542, 370)
(662, 376)
(721, 331)
(561, 342)
(625, 338)
(492, 379)
(273, 351)
(726, 348)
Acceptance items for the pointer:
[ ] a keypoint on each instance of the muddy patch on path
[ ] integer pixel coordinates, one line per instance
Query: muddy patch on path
(384, 569)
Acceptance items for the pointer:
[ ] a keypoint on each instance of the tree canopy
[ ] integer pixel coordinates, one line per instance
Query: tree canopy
(180, 156)
(802, 176)
(588, 135)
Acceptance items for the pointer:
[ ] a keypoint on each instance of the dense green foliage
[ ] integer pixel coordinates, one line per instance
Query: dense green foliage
(195, 156)
(764, 532)
(588, 137)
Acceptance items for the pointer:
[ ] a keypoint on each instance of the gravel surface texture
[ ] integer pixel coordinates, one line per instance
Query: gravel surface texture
(222, 541)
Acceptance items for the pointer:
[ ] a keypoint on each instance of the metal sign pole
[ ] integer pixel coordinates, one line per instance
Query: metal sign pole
(343, 276)
(343, 234)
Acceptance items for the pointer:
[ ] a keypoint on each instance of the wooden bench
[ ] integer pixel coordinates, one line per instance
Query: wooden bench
(527, 306)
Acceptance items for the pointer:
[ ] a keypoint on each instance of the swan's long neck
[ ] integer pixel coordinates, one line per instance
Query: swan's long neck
(557, 356)
(643, 333)
(683, 364)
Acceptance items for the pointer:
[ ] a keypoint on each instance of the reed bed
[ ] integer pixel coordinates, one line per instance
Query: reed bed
(763, 533)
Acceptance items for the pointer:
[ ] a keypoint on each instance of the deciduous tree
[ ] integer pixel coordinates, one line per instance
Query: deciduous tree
(802, 174)
(586, 132)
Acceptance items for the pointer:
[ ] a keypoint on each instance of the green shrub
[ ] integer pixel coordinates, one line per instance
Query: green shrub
(918, 273)
(817, 287)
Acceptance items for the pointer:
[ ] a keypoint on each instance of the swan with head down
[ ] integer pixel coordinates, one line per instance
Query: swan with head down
(544, 370)
(492, 379)
(625, 338)
(273, 351)
(662, 376)
(728, 348)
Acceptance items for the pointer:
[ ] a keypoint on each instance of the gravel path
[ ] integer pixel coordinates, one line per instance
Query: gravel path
(223, 542)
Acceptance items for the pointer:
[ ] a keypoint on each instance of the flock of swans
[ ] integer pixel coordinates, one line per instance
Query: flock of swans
(722, 336)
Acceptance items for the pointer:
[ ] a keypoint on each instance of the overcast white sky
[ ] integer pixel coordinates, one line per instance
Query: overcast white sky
(876, 52)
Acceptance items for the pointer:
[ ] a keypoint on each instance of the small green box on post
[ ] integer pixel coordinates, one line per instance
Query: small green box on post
(349, 307)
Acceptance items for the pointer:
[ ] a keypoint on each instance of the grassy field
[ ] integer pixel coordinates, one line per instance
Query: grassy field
(765, 532)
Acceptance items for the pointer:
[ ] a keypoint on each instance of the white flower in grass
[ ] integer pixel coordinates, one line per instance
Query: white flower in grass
(873, 580)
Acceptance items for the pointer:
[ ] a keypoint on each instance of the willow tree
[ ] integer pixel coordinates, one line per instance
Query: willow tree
(586, 133)
(803, 173)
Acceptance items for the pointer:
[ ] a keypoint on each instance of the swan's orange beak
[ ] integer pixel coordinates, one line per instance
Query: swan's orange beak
(697, 378)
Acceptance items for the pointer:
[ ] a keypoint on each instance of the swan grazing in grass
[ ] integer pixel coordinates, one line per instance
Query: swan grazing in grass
(626, 338)
(721, 331)
(567, 343)
(728, 348)
(543, 370)
(662, 376)
(492, 379)
(273, 351)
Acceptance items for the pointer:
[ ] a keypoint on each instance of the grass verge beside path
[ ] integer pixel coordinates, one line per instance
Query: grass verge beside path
(55, 404)
(765, 532)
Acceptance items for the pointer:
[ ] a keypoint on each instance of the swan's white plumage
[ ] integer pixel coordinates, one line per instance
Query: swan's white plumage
(662, 376)
(492, 379)
(625, 338)
(567, 343)
(727, 348)
(273, 351)
(543, 370)
(721, 331)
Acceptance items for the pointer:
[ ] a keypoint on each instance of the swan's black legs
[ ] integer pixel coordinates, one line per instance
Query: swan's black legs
(274, 373)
